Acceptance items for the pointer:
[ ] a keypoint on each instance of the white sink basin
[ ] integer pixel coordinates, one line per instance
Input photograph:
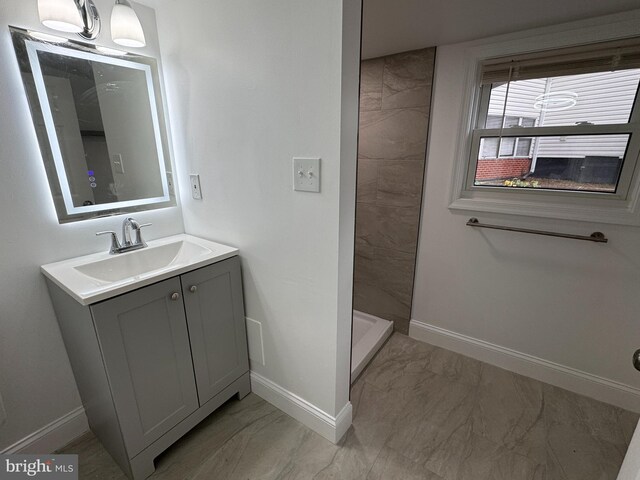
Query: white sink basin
(96, 277)
(120, 267)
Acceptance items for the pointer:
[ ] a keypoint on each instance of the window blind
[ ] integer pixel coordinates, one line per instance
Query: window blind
(600, 57)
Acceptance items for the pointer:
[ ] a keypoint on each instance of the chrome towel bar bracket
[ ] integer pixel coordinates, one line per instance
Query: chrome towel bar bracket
(597, 237)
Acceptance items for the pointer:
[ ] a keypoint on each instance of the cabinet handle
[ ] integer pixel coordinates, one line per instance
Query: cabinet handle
(193, 289)
(175, 296)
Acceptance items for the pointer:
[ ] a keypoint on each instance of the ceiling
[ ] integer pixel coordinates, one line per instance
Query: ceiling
(392, 26)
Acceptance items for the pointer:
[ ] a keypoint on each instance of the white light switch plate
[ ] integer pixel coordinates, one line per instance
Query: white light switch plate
(196, 192)
(306, 174)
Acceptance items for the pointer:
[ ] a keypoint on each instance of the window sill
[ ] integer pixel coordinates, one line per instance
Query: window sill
(617, 212)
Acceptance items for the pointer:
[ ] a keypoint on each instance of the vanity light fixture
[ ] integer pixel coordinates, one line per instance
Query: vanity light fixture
(71, 16)
(126, 29)
(81, 17)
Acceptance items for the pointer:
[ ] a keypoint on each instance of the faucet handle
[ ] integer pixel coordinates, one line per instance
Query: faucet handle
(108, 232)
(115, 244)
(138, 234)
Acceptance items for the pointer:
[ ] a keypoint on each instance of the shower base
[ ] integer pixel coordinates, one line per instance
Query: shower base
(369, 333)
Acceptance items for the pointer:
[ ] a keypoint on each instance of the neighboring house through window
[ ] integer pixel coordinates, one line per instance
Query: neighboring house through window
(510, 146)
(577, 157)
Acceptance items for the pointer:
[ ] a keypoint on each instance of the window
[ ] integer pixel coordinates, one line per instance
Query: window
(566, 121)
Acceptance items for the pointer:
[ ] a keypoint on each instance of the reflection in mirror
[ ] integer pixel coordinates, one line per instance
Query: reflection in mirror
(100, 127)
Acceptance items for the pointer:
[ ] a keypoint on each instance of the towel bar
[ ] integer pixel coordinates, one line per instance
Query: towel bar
(597, 237)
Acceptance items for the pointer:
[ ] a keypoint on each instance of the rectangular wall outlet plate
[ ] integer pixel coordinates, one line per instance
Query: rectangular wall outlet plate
(196, 192)
(306, 174)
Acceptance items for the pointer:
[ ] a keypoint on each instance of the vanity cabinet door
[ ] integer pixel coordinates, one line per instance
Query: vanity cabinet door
(145, 346)
(215, 313)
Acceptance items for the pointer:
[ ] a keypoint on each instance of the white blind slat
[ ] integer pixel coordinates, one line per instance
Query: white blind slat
(608, 56)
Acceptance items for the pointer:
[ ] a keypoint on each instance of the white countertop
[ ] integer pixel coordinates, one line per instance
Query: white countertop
(93, 278)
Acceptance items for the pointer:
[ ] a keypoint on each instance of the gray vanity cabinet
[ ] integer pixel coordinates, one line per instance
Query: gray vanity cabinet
(215, 315)
(152, 363)
(145, 344)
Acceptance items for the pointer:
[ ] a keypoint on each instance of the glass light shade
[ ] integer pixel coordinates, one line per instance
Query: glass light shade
(126, 29)
(61, 15)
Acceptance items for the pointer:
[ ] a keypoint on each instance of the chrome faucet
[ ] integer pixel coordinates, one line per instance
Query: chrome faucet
(127, 245)
(130, 224)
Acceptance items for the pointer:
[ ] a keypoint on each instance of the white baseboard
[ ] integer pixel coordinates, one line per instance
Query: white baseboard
(54, 436)
(74, 424)
(599, 388)
(331, 428)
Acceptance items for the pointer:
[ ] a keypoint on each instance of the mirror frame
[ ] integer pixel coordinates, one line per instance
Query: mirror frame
(26, 48)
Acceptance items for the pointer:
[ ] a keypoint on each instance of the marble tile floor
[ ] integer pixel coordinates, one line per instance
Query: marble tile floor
(420, 412)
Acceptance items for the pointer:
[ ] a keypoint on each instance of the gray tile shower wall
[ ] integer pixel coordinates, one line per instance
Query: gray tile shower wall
(395, 100)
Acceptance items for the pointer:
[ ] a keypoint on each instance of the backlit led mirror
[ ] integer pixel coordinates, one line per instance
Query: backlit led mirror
(100, 125)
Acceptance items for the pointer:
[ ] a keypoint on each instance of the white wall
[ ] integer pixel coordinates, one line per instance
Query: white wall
(569, 302)
(36, 382)
(251, 85)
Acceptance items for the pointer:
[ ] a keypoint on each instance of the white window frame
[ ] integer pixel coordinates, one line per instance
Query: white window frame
(622, 207)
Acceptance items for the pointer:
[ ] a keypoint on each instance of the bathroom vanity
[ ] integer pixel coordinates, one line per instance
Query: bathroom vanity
(155, 333)
(156, 340)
